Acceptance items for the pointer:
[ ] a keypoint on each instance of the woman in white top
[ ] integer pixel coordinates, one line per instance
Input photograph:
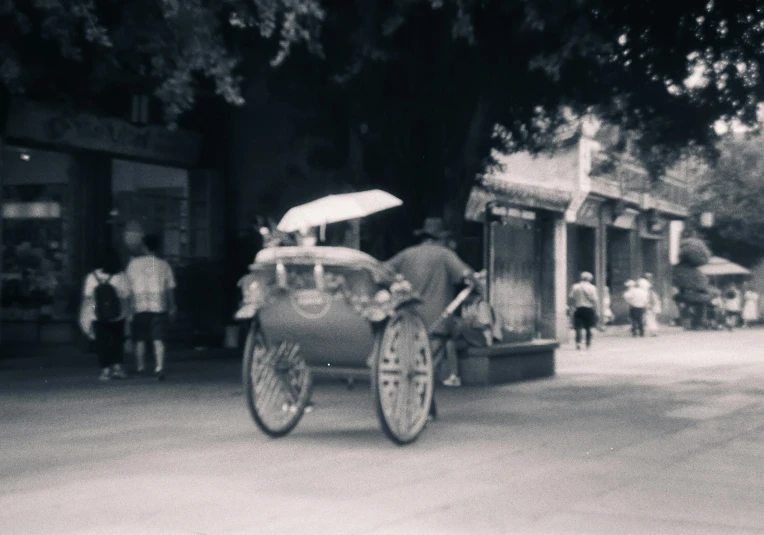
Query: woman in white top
(105, 307)
(750, 306)
(732, 306)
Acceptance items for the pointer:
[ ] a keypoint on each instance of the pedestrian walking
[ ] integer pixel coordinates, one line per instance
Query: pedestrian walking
(653, 306)
(153, 302)
(750, 306)
(106, 294)
(607, 311)
(583, 300)
(732, 306)
(637, 296)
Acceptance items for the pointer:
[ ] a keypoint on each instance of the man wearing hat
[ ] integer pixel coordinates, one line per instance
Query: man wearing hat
(583, 298)
(433, 269)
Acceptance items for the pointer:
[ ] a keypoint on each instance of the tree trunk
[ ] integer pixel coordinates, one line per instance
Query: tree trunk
(462, 174)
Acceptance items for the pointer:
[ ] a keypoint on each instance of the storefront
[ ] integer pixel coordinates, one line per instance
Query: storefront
(525, 257)
(69, 185)
(617, 242)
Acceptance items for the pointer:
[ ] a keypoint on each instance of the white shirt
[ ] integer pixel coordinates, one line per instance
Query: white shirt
(637, 297)
(150, 280)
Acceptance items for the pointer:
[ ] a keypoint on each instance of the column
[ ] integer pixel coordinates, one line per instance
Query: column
(600, 259)
(562, 328)
(635, 248)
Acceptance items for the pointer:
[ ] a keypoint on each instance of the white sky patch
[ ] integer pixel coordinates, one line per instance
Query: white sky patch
(721, 127)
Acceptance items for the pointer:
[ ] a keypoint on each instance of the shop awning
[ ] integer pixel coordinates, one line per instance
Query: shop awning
(718, 267)
(514, 194)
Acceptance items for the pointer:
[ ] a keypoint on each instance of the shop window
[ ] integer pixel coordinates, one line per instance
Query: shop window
(157, 197)
(35, 263)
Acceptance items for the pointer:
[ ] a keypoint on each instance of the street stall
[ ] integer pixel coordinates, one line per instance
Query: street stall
(722, 272)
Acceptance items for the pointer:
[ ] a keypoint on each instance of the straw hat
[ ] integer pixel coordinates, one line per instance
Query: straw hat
(433, 227)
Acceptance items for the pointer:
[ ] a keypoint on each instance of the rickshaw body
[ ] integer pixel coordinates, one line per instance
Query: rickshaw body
(316, 310)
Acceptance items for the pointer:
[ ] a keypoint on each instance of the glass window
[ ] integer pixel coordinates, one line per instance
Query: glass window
(157, 196)
(35, 266)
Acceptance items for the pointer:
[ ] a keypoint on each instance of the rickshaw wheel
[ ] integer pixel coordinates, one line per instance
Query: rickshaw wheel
(277, 384)
(403, 377)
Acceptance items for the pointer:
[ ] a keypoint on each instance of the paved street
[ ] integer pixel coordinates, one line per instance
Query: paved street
(658, 435)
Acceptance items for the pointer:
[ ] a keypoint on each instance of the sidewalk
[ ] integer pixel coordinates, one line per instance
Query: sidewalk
(624, 331)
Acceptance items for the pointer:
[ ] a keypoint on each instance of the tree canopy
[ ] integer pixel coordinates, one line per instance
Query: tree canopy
(427, 87)
(733, 190)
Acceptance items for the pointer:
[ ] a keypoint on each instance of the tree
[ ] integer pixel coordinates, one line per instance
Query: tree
(443, 82)
(73, 50)
(733, 190)
(426, 88)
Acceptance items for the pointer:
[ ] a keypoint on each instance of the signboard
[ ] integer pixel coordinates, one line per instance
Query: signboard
(311, 304)
(32, 121)
(508, 211)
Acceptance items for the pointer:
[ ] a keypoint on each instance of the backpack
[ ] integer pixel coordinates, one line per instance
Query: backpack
(108, 306)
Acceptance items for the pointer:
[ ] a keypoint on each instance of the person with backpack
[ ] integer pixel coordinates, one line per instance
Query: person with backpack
(106, 294)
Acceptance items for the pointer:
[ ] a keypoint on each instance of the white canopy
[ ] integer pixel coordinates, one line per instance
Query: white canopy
(335, 208)
(718, 267)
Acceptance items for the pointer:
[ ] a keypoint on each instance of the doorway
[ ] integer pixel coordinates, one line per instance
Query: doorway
(514, 276)
(619, 269)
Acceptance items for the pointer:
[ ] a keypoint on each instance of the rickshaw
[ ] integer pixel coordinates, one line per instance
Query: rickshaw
(320, 310)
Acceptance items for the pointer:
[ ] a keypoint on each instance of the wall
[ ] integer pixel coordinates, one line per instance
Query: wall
(558, 171)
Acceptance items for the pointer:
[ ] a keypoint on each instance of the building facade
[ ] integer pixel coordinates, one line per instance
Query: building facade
(619, 224)
(523, 209)
(69, 183)
(615, 225)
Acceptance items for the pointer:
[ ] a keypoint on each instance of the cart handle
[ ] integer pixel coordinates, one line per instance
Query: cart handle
(457, 302)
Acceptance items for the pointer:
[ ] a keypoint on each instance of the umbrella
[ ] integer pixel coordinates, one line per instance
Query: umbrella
(718, 267)
(335, 208)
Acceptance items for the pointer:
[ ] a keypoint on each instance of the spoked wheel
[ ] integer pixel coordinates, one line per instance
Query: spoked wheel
(277, 384)
(402, 375)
